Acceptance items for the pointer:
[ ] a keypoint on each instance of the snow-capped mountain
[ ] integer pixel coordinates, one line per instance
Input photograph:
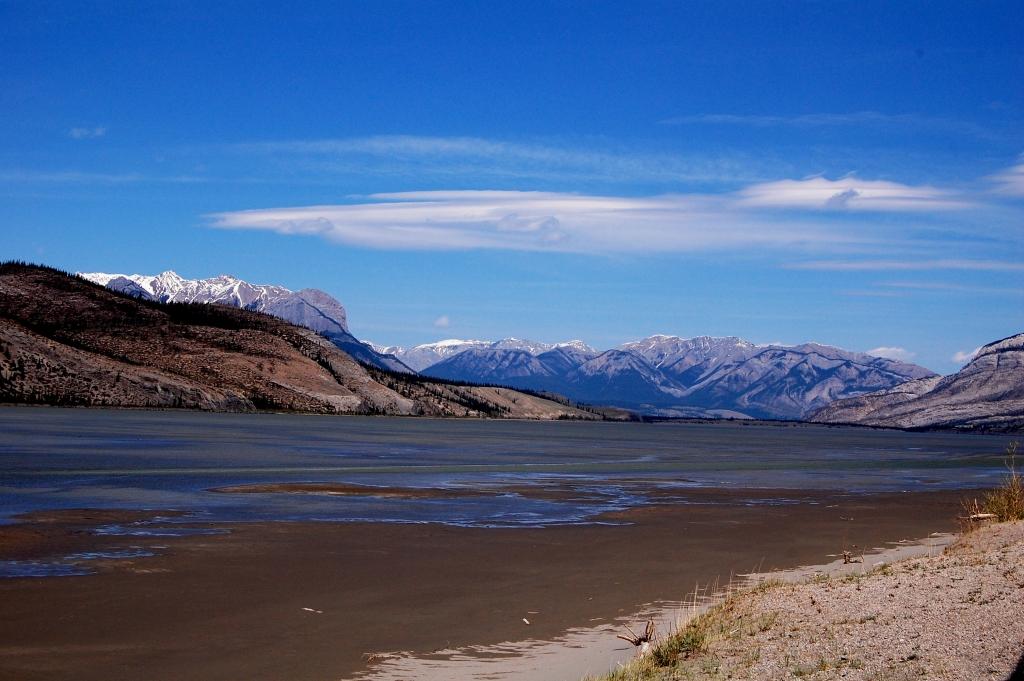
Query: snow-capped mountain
(662, 350)
(613, 377)
(662, 374)
(495, 365)
(677, 356)
(788, 382)
(420, 357)
(66, 341)
(691, 376)
(622, 378)
(309, 307)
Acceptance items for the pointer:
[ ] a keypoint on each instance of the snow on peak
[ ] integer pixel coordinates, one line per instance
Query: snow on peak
(575, 344)
(452, 342)
(311, 308)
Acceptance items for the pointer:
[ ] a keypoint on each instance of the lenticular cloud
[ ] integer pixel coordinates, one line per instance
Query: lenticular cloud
(784, 214)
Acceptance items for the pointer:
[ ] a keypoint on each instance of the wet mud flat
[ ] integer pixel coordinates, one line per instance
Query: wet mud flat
(310, 600)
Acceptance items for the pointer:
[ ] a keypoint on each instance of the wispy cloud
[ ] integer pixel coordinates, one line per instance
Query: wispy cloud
(87, 133)
(872, 293)
(923, 264)
(67, 176)
(412, 155)
(873, 119)
(442, 322)
(943, 287)
(85, 177)
(962, 357)
(897, 353)
(1010, 182)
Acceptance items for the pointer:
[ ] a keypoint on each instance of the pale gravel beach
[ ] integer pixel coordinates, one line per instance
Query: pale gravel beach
(951, 616)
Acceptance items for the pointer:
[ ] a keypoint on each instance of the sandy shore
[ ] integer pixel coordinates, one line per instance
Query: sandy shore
(951, 615)
(304, 601)
(594, 650)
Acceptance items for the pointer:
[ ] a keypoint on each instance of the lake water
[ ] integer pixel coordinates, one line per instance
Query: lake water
(541, 473)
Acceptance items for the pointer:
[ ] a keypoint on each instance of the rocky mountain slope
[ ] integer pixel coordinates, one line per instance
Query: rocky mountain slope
(674, 376)
(615, 377)
(66, 341)
(787, 382)
(675, 355)
(987, 393)
(309, 307)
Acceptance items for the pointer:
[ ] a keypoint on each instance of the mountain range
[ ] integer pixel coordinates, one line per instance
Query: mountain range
(67, 341)
(986, 393)
(420, 357)
(309, 307)
(662, 375)
(672, 376)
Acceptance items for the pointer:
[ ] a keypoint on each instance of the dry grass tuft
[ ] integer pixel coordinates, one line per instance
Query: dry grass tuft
(1006, 502)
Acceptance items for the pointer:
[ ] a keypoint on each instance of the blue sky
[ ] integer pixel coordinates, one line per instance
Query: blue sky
(850, 173)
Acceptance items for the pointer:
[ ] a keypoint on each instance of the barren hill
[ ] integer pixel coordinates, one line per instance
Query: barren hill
(67, 341)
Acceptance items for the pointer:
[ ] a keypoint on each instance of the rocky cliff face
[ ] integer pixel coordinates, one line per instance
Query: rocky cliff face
(987, 393)
(66, 341)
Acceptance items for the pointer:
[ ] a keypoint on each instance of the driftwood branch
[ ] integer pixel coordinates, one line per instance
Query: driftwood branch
(641, 641)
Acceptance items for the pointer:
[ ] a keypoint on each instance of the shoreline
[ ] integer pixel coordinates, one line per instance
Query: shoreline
(951, 616)
(592, 652)
(634, 418)
(241, 598)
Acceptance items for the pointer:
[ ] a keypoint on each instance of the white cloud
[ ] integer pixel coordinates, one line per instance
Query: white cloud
(86, 133)
(899, 354)
(442, 322)
(526, 220)
(849, 193)
(1010, 181)
(962, 357)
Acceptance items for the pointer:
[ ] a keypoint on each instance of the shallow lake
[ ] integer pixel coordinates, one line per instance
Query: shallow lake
(536, 473)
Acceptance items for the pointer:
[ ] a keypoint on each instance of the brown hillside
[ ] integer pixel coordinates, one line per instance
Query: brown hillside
(66, 341)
